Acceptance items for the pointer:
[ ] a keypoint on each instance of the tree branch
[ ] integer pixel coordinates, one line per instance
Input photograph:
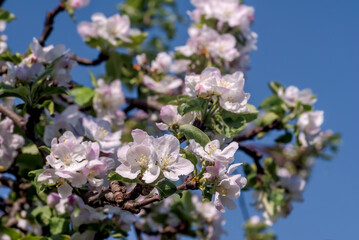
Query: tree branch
(255, 131)
(1, 3)
(88, 62)
(144, 104)
(253, 153)
(18, 120)
(49, 23)
(116, 195)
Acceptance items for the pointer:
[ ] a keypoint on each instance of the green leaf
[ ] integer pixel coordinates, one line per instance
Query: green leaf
(192, 132)
(273, 104)
(196, 104)
(7, 56)
(187, 201)
(20, 92)
(275, 86)
(248, 116)
(82, 95)
(166, 188)
(42, 214)
(35, 173)
(29, 237)
(277, 197)
(285, 138)
(190, 156)
(113, 176)
(119, 66)
(93, 80)
(59, 225)
(6, 15)
(14, 235)
(45, 149)
(174, 100)
(207, 194)
(49, 105)
(268, 118)
(136, 40)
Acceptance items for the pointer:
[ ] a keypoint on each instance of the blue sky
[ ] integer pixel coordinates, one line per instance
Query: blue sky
(307, 43)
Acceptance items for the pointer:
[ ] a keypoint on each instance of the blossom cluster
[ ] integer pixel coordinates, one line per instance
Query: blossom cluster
(114, 29)
(77, 162)
(206, 219)
(9, 143)
(3, 38)
(218, 172)
(34, 65)
(228, 88)
(83, 215)
(148, 157)
(230, 16)
(107, 100)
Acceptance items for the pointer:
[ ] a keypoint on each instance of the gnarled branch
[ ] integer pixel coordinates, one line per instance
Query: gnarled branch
(49, 23)
(88, 62)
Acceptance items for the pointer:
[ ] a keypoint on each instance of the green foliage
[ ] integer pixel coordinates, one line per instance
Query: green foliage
(59, 225)
(192, 132)
(196, 104)
(9, 57)
(6, 15)
(14, 235)
(82, 95)
(113, 176)
(119, 66)
(166, 188)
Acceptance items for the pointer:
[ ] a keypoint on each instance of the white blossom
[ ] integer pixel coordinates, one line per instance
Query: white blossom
(291, 95)
(170, 117)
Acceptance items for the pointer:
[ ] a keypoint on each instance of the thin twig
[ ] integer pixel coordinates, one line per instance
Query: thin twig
(255, 131)
(88, 62)
(1, 3)
(18, 120)
(253, 153)
(49, 23)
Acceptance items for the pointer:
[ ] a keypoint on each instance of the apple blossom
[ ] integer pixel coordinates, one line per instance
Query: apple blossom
(212, 152)
(113, 29)
(310, 122)
(291, 95)
(170, 117)
(166, 85)
(100, 131)
(293, 183)
(3, 38)
(108, 98)
(171, 163)
(78, 3)
(9, 143)
(229, 88)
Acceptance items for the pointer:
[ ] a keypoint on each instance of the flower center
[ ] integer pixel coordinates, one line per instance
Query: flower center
(67, 159)
(142, 161)
(103, 133)
(166, 160)
(223, 191)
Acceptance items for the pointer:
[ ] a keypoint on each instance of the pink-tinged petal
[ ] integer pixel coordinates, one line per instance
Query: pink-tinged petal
(151, 174)
(228, 203)
(65, 190)
(139, 136)
(183, 166)
(230, 150)
(127, 171)
(48, 176)
(122, 152)
(233, 167)
(162, 126)
(218, 204)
